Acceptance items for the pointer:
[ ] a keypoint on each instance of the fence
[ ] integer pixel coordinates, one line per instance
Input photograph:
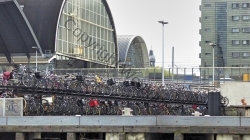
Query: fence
(193, 75)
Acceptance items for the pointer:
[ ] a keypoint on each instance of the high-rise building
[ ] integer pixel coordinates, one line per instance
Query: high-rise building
(225, 23)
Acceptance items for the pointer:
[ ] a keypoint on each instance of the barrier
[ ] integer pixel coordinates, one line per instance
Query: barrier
(11, 106)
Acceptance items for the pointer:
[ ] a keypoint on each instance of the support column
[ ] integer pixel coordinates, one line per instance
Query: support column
(101, 136)
(135, 136)
(115, 136)
(36, 135)
(20, 136)
(71, 136)
(210, 137)
(228, 137)
(246, 137)
(178, 136)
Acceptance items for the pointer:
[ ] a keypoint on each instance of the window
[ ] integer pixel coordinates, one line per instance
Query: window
(235, 30)
(245, 65)
(246, 42)
(208, 29)
(207, 41)
(235, 17)
(246, 54)
(235, 42)
(235, 65)
(247, 17)
(208, 5)
(235, 54)
(206, 17)
(245, 30)
(235, 5)
(207, 53)
(245, 5)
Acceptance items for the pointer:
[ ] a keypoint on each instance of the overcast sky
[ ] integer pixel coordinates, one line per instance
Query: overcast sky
(140, 17)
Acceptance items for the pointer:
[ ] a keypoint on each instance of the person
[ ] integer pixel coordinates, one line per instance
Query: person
(98, 79)
(6, 77)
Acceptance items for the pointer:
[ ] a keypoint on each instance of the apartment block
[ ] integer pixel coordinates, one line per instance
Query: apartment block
(225, 23)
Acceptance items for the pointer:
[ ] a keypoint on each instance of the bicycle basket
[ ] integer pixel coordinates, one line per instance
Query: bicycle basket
(133, 83)
(38, 75)
(138, 84)
(110, 82)
(126, 83)
(79, 78)
(93, 103)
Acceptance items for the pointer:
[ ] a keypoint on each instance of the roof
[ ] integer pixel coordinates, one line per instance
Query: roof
(43, 16)
(15, 34)
(113, 26)
(124, 42)
(35, 25)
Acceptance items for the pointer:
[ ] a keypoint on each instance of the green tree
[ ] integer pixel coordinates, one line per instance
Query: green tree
(156, 69)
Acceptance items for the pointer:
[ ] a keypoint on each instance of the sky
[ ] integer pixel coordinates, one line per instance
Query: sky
(140, 17)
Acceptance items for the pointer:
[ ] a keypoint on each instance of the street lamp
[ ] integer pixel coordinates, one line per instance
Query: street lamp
(213, 45)
(162, 22)
(34, 47)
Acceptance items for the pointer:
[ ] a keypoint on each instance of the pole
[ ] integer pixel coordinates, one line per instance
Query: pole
(213, 65)
(162, 22)
(36, 59)
(172, 64)
(163, 55)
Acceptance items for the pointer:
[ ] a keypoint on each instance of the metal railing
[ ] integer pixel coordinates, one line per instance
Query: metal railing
(201, 75)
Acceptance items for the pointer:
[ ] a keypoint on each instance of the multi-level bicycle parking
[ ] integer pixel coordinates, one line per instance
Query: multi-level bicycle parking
(73, 94)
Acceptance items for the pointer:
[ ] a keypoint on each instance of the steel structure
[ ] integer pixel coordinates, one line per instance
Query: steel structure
(133, 51)
(43, 24)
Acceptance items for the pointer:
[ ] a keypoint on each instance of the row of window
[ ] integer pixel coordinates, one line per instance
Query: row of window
(244, 17)
(244, 5)
(234, 30)
(236, 54)
(234, 5)
(236, 42)
(232, 66)
(239, 54)
(240, 65)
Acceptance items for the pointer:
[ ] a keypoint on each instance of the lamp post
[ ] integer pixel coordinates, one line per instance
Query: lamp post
(213, 45)
(34, 47)
(162, 22)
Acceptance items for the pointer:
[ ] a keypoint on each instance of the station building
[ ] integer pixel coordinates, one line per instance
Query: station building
(64, 34)
(132, 51)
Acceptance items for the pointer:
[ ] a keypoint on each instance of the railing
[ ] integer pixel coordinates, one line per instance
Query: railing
(202, 75)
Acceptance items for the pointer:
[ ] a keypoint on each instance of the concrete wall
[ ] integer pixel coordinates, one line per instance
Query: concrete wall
(235, 91)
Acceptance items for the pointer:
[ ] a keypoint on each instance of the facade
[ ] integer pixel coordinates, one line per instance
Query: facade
(227, 24)
(132, 51)
(67, 33)
(85, 31)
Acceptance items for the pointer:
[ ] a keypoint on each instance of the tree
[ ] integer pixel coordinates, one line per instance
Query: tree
(156, 69)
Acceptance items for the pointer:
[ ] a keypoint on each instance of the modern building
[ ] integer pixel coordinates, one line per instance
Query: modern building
(225, 23)
(132, 51)
(65, 33)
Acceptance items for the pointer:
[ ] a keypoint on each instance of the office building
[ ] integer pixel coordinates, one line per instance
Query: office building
(225, 23)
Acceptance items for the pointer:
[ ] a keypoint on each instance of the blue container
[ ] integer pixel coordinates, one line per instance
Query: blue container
(188, 77)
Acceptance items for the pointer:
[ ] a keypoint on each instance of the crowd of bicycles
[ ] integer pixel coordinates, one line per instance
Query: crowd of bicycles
(64, 105)
(171, 97)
